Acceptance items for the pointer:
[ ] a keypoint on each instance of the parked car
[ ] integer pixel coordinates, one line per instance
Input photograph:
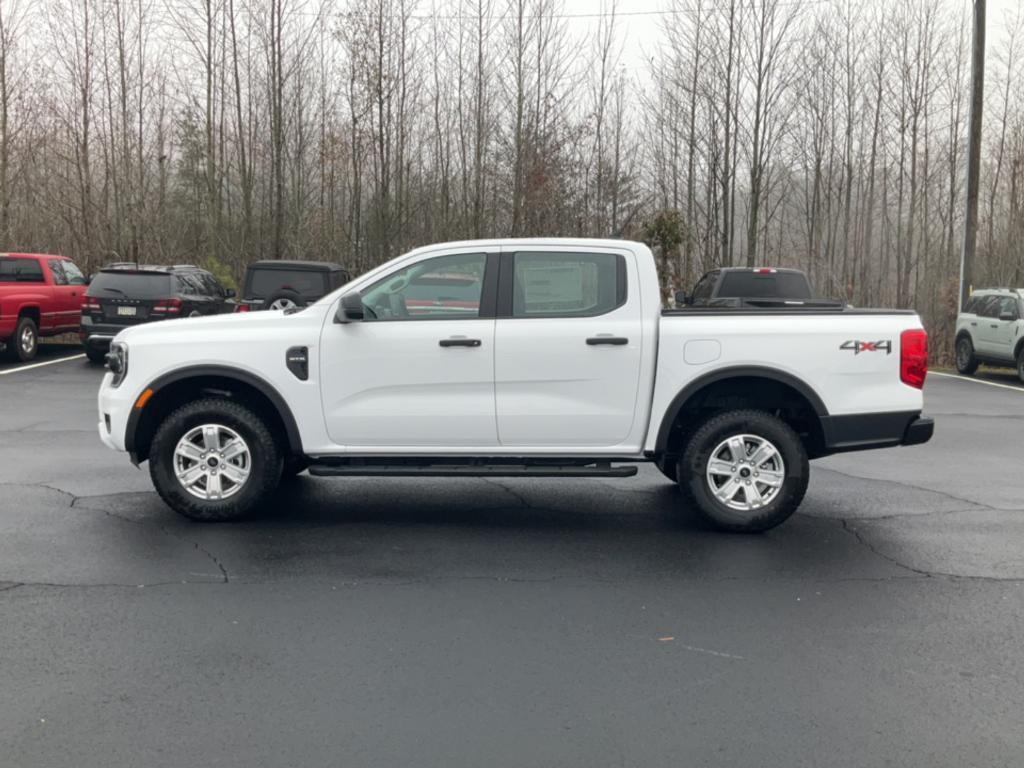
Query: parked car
(128, 294)
(560, 363)
(752, 287)
(39, 296)
(289, 284)
(990, 330)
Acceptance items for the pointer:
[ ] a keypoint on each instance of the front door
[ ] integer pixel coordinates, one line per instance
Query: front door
(418, 371)
(68, 289)
(568, 349)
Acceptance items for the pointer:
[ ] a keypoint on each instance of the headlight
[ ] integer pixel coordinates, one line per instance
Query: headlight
(117, 362)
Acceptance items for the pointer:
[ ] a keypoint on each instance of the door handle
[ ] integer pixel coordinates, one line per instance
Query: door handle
(615, 341)
(456, 342)
(974, 324)
(993, 326)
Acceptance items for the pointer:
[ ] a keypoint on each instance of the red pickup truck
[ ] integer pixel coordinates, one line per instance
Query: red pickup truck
(40, 295)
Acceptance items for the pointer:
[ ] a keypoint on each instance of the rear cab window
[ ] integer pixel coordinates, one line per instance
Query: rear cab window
(17, 269)
(764, 285)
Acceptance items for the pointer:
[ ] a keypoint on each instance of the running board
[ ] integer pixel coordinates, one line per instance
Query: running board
(594, 469)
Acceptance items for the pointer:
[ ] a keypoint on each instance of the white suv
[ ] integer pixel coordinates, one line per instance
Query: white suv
(990, 330)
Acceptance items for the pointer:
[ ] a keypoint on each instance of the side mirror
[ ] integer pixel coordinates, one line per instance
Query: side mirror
(1008, 316)
(682, 298)
(350, 309)
(229, 293)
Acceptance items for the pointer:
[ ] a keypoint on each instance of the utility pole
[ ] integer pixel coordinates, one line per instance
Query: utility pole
(973, 153)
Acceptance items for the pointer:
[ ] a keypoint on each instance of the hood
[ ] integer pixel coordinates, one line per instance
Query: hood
(209, 327)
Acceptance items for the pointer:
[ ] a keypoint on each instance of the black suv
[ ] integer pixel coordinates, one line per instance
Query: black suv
(289, 284)
(124, 295)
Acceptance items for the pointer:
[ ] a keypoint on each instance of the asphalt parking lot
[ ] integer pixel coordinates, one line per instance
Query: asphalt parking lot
(543, 622)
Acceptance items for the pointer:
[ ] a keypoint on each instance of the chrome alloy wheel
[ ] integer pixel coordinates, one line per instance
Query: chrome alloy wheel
(27, 340)
(283, 303)
(745, 472)
(212, 462)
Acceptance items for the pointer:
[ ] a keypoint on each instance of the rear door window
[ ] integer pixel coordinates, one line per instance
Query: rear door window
(567, 284)
(1007, 304)
(132, 285)
(14, 269)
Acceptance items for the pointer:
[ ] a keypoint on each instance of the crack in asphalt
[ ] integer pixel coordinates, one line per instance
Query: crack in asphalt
(914, 488)
(864, 542)
(73, 504)
(514, 494)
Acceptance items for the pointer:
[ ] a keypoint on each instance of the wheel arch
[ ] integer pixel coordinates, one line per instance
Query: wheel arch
(178, 387)
(746, 386)
(31, 311)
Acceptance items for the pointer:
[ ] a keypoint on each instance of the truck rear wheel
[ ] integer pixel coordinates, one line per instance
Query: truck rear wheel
(744, 471)
(214, 460)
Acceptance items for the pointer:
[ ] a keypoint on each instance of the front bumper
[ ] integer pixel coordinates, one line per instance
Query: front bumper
(864, 431)
(115, 406)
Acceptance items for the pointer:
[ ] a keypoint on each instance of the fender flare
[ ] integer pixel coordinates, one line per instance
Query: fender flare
(724, 374)
(291, 427)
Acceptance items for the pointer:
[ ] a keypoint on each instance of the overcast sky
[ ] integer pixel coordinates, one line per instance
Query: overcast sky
(641, 22)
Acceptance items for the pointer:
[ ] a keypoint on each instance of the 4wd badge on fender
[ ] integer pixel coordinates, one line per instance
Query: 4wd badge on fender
(868, 346)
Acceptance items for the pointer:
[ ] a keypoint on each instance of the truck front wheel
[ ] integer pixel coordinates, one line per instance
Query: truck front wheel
(214, 460)
(744, 471)
(24, 344)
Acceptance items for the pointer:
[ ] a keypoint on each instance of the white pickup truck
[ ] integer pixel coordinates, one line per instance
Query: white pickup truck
(525, 358)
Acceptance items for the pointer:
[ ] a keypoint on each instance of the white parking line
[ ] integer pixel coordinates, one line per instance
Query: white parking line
(976, 381)
(40, 365)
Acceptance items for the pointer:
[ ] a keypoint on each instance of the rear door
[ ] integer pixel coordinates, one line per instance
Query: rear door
(1004, 332)
(568, 348)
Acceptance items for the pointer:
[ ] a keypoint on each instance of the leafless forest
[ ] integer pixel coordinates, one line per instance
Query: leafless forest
(824, 134)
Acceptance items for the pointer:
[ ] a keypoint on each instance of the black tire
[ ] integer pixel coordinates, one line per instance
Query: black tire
(696, 486)
(264, 470)
(96, 355)
(24, 344)
(284, 296)
(1020, 364)
(966, 362)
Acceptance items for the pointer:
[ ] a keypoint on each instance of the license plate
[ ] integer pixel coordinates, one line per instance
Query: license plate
(129, 311)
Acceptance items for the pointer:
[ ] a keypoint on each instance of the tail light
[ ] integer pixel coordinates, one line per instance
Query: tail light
(90, 304)
(167, 307)
(241, 307)
(914, 358)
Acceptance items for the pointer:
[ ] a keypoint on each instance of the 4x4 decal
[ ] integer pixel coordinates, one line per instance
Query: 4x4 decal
(867, 346)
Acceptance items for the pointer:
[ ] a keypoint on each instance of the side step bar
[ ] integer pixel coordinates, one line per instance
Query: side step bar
(360, 469)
